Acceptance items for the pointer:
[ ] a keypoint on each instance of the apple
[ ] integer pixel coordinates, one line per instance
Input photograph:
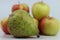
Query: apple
(4, 26)
(49, 26)
(0, 23)
(40, 10)
(36, 20)
(20, 7)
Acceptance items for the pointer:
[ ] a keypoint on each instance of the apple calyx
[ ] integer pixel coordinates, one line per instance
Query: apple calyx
(50, 17)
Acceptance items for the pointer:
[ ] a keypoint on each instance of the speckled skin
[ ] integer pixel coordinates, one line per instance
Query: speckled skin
(21, 24)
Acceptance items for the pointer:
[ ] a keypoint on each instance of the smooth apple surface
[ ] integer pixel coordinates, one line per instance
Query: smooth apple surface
(36, 21)
(4, 26)
(25, 7)
(49, 26)
(17, 7)
(20, 7)
(40, 10)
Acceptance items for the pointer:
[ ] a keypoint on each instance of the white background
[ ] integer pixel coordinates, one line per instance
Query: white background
(5, 10)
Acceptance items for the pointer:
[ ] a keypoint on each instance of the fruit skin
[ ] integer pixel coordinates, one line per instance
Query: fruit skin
(0, 23)
(20, 7)
(25, 7)
(49, 26)
(4, 26)
(21, 24)
(40, 10)
(36, 21)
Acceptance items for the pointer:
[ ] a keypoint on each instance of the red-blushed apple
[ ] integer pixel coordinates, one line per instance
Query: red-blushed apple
(25, 7)
(20, 7)
(40, 10)
(49, 26)
(4, 26)
(0, 23)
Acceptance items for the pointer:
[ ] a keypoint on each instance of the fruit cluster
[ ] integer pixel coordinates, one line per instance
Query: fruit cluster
(21, 24)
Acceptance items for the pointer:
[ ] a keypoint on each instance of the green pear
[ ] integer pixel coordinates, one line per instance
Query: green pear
(21, 24)
(40, 10)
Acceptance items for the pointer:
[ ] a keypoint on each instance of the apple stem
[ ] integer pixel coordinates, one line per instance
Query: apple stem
(18, 2)
(41, 1)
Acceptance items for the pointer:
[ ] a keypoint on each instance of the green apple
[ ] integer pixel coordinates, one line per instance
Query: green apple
(49, 26)
(40, 10)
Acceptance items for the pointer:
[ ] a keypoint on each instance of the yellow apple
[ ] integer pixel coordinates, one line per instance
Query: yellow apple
(40, 10)
(49, 26)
